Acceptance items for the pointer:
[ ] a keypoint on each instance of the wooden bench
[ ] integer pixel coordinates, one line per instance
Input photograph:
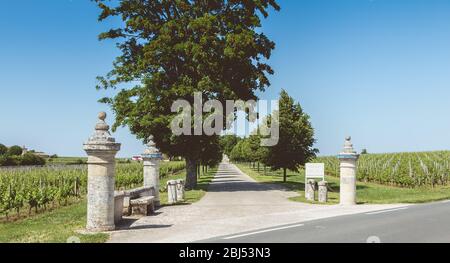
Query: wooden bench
(139, 201)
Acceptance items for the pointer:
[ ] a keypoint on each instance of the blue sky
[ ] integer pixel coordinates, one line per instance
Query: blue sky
(378, 70)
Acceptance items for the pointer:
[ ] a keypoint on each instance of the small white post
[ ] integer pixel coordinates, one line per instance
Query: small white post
(171, 192)
(348, 158)
(101, 149)
(310, 190)
(323, 192)
(180, 190)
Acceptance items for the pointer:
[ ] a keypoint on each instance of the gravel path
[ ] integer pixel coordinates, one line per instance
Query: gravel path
(234, 203)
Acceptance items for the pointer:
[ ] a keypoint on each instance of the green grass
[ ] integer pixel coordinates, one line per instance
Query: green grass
(52, 227)
(191, 196)
(367, 193)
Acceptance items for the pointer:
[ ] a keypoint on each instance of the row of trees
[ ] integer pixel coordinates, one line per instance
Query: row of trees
(11, 151)
(295, 145)
(12, 156)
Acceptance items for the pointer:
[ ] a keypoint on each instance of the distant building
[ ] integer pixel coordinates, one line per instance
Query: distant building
(24, 150)
(40, 154)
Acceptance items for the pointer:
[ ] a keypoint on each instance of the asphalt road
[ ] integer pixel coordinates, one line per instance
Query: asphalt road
(412, 224)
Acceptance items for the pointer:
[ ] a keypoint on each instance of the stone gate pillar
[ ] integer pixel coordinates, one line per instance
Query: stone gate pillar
(101, 149)
(152, 158)
(348, 159)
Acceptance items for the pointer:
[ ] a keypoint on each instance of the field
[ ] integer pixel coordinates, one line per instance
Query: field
(59, 224)
(57, 194)
(27, 190)
(382, 178)
(420, 169)
(367, 192)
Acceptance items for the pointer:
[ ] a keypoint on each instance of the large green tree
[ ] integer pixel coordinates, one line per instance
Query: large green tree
(295, 146)
(173, 48)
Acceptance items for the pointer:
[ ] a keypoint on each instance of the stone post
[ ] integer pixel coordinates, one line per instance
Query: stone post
(310, 190)
(171, 192)
(152, 158)
(101, 149)
(323, 192)
(180, 190)
(348, 159)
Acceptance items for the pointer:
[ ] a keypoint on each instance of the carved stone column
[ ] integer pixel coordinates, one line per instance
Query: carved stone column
(348, 158)
(101, 149)
(152, 157)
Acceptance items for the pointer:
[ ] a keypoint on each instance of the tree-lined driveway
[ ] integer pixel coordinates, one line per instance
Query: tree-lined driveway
(234, 203)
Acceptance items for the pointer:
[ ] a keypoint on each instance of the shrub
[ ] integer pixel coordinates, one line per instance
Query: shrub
(15, 150)
(31, 159)
(6, 160)
(3, 149)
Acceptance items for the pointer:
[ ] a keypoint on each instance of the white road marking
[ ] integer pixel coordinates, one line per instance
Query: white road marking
(263, 231)
(386, 211)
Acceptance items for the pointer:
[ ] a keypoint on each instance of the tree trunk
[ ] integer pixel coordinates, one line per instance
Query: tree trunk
(258, 167)
(284, 175)
(191, 174)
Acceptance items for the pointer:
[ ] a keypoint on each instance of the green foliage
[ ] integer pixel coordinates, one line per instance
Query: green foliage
(176, 48)
(26, 159)
(31, 159)
(295, 145)
(239, 152)
(212, 153)
(364, 151)
(6, 160)
(399, 169)
(15, 150)
(227, 143)
(3, 149)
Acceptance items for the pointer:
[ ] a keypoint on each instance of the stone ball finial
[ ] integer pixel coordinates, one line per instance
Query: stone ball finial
(348, 146)
(101, 136)
(151, 147)
(102, 115)
(101, 124)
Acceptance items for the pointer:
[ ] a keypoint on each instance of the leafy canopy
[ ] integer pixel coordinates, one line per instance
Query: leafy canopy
(173, 48)
(295, 146)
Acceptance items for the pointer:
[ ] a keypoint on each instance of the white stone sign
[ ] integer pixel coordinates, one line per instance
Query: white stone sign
(314, 170)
